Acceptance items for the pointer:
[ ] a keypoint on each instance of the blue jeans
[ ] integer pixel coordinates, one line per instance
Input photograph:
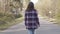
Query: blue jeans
(31, 31)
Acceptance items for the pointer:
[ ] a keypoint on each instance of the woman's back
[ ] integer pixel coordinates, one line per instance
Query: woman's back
(31, 19)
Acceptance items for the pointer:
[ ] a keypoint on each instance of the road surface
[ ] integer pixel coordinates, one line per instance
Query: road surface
(46, 27)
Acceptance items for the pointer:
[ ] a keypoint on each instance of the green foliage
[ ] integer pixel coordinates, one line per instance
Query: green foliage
(18, 16)
(8, 18)
(57, 16)
(1, 15)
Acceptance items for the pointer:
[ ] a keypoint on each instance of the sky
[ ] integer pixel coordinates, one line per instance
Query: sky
(34, 1)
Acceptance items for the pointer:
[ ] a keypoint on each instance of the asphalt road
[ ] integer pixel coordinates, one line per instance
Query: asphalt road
(46, 27)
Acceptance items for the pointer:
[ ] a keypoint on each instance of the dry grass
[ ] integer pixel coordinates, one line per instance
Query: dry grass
(16, 21)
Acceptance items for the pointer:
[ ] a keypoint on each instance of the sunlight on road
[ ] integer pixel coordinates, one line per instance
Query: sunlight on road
(34, 1)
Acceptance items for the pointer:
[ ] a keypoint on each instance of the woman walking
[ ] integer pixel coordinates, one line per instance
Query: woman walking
(31, 18)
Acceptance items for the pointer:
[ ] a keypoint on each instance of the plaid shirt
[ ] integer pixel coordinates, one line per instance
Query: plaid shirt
(31, 20)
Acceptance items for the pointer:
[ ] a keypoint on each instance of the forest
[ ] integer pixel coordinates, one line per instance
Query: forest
(11, 11)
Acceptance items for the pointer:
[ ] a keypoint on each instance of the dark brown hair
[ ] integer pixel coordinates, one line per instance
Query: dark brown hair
(30, 6)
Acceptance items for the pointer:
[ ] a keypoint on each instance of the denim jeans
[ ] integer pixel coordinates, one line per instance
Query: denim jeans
(31, 31)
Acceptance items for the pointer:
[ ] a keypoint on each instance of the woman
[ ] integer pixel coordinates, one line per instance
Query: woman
(31, 18)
